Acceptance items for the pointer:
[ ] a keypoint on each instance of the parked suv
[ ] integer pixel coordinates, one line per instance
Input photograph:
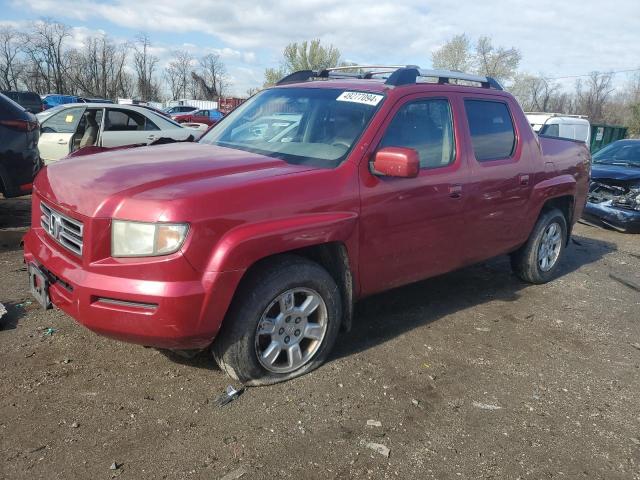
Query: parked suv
(19, 159)
(30, 101)
(261, 243)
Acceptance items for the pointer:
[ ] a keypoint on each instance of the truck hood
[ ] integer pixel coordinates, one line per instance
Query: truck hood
(97, 185)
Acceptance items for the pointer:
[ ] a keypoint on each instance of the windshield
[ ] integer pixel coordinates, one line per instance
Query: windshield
(619, 153)
(298, 125)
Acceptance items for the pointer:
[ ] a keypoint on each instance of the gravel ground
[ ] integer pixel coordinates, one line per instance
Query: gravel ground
(470, 375)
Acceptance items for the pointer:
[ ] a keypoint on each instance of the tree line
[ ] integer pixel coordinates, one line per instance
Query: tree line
(42, 59)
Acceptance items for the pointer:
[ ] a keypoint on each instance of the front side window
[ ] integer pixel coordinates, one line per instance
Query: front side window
(316, 126)
(65, 121)
(492, 133)
(427, 127)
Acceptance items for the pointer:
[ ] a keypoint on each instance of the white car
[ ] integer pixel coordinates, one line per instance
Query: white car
(75, 126)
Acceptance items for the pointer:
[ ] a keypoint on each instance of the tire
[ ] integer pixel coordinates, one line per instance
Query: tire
(265, 312)
(528, 262)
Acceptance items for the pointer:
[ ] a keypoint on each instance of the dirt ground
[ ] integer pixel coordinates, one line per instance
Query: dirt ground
(471, 375)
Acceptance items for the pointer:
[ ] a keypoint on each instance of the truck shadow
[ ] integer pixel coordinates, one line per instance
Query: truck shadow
(15, 311)
(387, 315)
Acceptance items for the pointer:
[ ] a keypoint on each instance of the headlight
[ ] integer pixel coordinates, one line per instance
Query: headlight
(137, 239)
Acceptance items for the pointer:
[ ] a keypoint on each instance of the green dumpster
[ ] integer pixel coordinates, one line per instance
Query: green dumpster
(602, 135)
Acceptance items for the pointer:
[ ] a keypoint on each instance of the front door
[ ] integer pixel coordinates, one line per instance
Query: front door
(57, 133)
(412, 228)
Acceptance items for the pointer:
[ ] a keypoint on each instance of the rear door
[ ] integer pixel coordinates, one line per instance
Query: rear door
(502, 177)
(57, 132)
(413, 228)
(127, 127)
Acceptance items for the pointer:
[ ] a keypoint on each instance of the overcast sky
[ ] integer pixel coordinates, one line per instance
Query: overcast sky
(557, 38)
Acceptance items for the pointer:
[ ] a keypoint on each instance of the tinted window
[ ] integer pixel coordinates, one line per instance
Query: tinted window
(491, 128)
(125, 120)
(425, 126)
(64, 122)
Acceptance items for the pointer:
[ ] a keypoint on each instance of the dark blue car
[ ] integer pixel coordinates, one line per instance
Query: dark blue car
(614, 193)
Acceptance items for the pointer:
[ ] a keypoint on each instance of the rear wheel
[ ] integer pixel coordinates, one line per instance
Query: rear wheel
(537, 261)
(282, 324)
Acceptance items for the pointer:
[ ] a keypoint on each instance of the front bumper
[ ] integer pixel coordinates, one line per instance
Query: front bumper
(621, 219)
(184, 314)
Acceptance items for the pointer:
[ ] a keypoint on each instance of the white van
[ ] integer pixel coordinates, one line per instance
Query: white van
(575, 127)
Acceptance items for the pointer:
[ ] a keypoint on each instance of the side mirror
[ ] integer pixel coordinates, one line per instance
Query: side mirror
(397, 162)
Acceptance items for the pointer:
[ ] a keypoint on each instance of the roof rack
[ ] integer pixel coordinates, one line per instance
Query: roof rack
(551, 114)
(358, 71)
(399, 75)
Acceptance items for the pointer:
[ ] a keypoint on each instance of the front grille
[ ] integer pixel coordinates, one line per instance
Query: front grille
(64, 230)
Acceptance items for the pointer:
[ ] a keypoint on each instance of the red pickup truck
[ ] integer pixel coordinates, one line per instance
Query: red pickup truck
(327, 188)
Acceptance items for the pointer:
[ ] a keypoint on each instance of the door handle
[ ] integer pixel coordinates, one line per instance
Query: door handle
(455, 191)
(151, 137)
(523, 179)
(62, 141)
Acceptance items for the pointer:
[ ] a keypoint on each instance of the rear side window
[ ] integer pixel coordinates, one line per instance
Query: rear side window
(492, 133)
(425, 126)
(125, 121)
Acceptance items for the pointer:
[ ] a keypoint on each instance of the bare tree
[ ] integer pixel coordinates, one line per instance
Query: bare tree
(536, 93)
(454, 55)
(145, 63)
(10, 62)
(484, 59)
(44, 46)
(497, 62)
(172, 79)
(632, 102)
(592, 95)
(214, 75)
(178, 73)
(303, 56)
(98, 70)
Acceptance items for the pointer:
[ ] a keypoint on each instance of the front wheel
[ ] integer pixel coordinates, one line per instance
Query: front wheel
(283, 322)
(537, 261)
